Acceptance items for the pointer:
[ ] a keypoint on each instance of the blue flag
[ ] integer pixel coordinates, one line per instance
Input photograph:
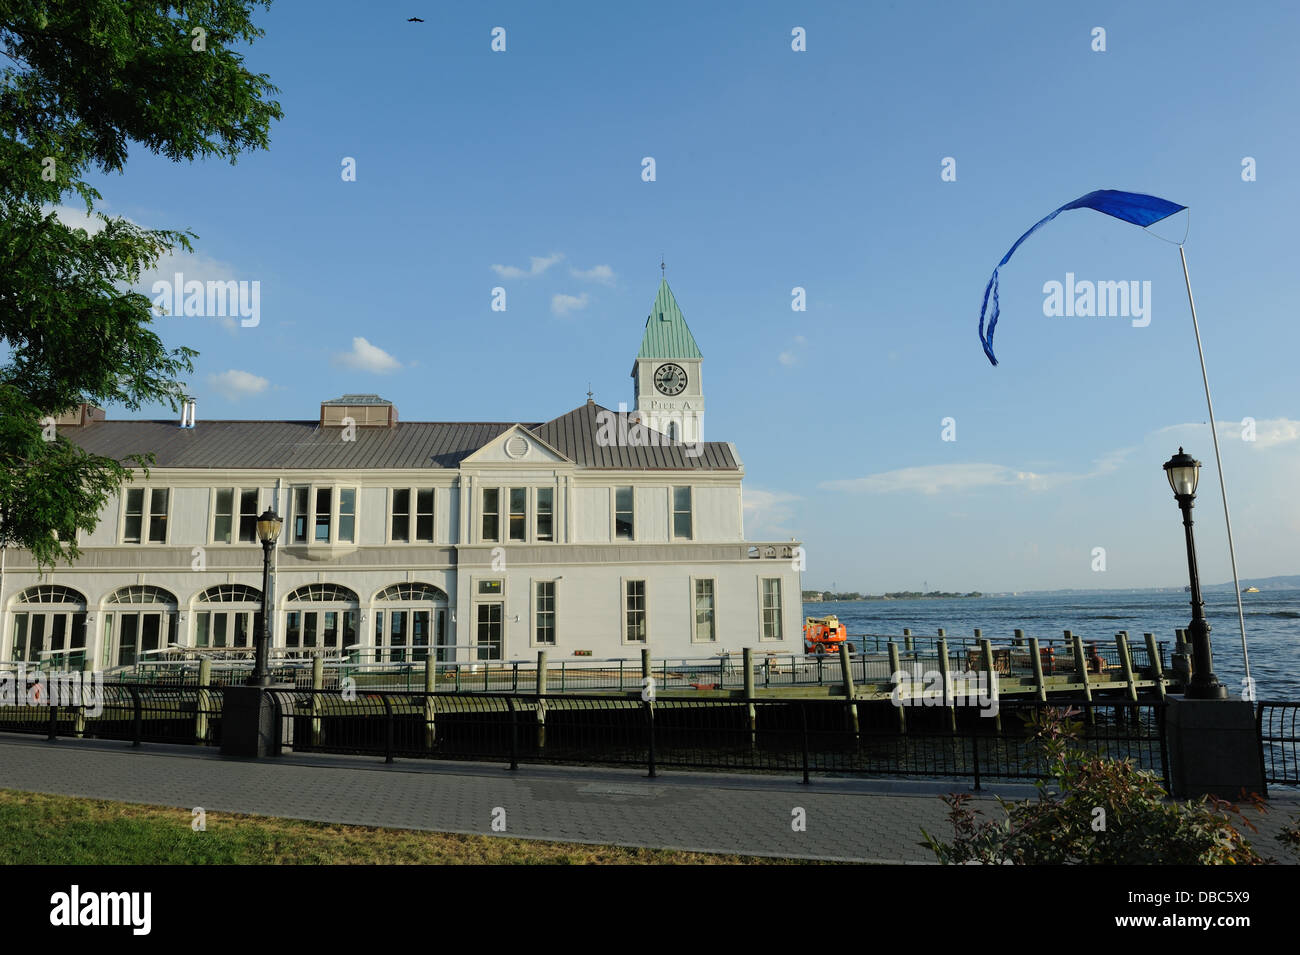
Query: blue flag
(1132, 207)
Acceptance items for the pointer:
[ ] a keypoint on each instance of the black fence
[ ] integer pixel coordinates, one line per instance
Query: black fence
(1278, 725)
(760, 735)
(139, 713)
(781, 736)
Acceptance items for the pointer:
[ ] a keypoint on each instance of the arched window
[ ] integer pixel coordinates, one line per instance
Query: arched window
(410, 617)
(316, 593)
(139, 621)
(322, 617)
(227, 615)
(672, 430)
(49, 626)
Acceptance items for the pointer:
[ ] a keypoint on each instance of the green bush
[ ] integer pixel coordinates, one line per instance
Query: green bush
(1096, 811)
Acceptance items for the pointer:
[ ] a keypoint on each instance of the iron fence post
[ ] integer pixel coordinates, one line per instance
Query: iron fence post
(1164, 755)
(514, 731)
(137, 717)
(803, 721)
(975, 753)
(650, 735)
(388, 729)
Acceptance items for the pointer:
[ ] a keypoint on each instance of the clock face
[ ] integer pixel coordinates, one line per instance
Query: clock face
(670, 379)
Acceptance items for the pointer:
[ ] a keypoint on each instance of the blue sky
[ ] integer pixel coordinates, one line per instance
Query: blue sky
(776, 169)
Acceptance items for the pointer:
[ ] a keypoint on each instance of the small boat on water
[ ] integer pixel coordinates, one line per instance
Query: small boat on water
(1251, 590)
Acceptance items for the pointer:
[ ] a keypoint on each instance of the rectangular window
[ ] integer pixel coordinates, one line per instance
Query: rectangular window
(159, 498)
(624, 525)
(489, 632)
(223, 516)
(634, 611)
(300, 514)
(347, 514)
(401, 515)
(412, 515)
(682, 513)
(248, 516)
(424, 515)
(134, 516)
(545, 513)
(324, 504)
(226, 521)
(704, 626)
(518, 513)
(771, 607)
(544, 614)
(491, 514)
(489, 586)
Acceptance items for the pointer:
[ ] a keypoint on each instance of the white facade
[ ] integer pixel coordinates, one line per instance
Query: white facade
(523, 540)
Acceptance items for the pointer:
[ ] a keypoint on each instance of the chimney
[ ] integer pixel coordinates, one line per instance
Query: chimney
(188, 408)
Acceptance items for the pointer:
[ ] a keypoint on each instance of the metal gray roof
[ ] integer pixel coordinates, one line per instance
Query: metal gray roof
(410, 444)
(574, 434)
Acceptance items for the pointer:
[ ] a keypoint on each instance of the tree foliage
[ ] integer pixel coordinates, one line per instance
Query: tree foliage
(79, 83)
(1097, 811)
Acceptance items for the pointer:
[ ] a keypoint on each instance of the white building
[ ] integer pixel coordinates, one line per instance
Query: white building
(587, 534)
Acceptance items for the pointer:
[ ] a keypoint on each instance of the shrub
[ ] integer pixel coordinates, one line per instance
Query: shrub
(1096, 811)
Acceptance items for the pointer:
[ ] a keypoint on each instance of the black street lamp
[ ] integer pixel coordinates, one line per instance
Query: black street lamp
(268, 531)
(1183, 472)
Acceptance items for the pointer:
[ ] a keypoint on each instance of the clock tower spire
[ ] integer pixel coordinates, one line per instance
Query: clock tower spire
(669, 390)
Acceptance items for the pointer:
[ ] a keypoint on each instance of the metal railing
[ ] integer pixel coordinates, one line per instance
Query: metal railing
(758, 735)
(139, 713)
(1278, 727)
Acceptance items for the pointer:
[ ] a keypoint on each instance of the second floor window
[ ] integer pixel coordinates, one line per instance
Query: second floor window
(545, 513)
(412, 515)
(624, 523)
(491, 514)
(518, 513)
(682, 513)
(145, 516)
(235, 516)
(321, 512)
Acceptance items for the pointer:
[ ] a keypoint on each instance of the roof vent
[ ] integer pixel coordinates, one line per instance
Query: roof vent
(366, 411)
(80, 416)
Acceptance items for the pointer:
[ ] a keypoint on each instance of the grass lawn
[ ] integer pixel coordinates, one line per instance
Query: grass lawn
(38, 829)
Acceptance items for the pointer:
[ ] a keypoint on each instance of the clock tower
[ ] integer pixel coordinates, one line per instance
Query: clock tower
(669, 392)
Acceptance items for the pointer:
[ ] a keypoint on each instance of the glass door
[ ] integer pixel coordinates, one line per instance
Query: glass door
(487, 635)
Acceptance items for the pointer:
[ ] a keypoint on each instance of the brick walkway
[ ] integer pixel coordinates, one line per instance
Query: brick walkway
(858, 820)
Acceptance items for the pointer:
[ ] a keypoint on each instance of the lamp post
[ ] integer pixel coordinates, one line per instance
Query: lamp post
(1183, 472)
(268, 531)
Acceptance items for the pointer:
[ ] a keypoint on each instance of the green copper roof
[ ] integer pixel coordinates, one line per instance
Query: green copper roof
(666, 334)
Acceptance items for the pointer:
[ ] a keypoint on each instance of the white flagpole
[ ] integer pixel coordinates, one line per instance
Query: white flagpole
(1214, 433)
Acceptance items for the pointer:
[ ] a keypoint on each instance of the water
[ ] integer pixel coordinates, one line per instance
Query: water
(1272, 625)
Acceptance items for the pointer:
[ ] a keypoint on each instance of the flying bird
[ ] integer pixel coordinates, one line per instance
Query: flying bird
(414, 20)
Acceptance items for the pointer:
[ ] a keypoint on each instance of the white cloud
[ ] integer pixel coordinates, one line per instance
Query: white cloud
(367, 357)
(235, 384)
(1269, 432)
(601, 274)
(564, 304)
(942, 478)
(538, 265)
(787, 358)
(767, 513)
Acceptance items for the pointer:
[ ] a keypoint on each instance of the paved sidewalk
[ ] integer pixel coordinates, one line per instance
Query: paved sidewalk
(851, 820)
